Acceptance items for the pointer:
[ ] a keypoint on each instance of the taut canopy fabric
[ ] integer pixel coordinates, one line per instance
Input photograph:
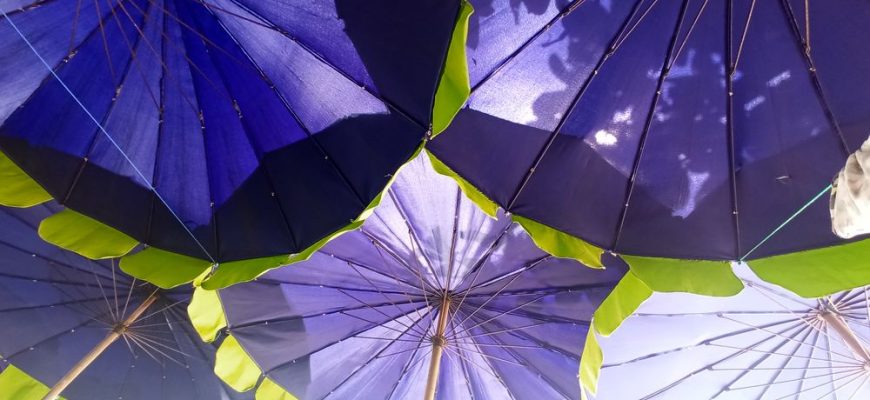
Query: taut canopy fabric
(55, 306)
(219, 129)
(358, 319)
(679, 129)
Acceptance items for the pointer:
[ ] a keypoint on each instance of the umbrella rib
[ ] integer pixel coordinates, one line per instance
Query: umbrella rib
(774, 353)
(522, 334)
(514, 272)
(858, 388)
(456, 344)
(788, 12)
(786, 362)
(314, 315)
(378, 355)
(710, 366)
(413, 234)
(792, 339)
(379, 291)
(452, 255)
(706, 342)
(644, 134)
(377, 242)
(134, 53)
(576, 100)
(792, 380)
(51, 260)
(52, 337)
(402, 312)
(802, 317)
(854, 375)
(729, 124)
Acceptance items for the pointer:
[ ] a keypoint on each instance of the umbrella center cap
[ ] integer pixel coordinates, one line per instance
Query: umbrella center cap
(438, 340)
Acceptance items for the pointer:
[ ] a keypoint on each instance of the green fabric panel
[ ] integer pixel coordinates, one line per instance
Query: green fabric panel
(16, 384)
(561, 244)
(163, 268)
(17, 189)
(454, 87)
(233, 272)
(84, 235)
(235, 367)
(590, 363)
(484, 203)
(625, 298)
(818, 272)
(270, 390)
(709, 278)
(206, 313)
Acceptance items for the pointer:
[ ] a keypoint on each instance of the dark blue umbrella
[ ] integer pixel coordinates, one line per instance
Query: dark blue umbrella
(222, 129)
(90, 331)
(680, 129)
(430, 298)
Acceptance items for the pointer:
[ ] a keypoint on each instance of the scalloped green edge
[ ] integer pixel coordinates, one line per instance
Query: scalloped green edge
(590, 363)
(269, 390)
(206, 314)
(708, 278)
(625, 298)
(476, 196)
(235, 367)
(454, 85)
(818, 272)
(163, 268)
(17, 189)
(18, 385)
(561, 244)
(84, 235)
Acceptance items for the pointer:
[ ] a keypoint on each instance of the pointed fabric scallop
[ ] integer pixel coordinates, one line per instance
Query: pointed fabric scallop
(681, 129)
(222, 129)
(357, 320)
(55, 306)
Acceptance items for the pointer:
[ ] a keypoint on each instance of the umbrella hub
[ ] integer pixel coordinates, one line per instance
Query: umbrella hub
(835, 321)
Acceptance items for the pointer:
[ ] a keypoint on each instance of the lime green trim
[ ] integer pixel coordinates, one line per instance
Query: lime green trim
(818, 272)
(206, 314)
(85, 236)
(561, 244)
(709, 278)
(476, 196)
(17, 189)
(233, 272)
(235, 367)
(16, 384)
(163, 268)
(270, 390)
(590, 363)
(625, 298)
(454, 86)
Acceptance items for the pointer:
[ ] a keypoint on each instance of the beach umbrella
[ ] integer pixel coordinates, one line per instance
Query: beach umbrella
(682, 129)
(224, 130)
(85, 330)
(430, 298)
(764, 343)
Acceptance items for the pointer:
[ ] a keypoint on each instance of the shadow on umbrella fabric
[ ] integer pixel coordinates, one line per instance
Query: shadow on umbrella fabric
(55, 306)
(653, 129)
(764, 343)
(428, 277)
(220, 119)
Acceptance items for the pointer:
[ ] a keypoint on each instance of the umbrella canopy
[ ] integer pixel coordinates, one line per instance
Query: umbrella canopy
(429, 290)
(680, 129)
(764, 343)
(220, 129)
(56, 306)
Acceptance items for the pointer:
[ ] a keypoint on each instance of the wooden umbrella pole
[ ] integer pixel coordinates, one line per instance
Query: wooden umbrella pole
(836, 322)
(438, 343)
(99, 348)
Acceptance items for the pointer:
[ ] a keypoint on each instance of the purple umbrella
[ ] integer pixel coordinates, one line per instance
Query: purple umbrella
(430, 298)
